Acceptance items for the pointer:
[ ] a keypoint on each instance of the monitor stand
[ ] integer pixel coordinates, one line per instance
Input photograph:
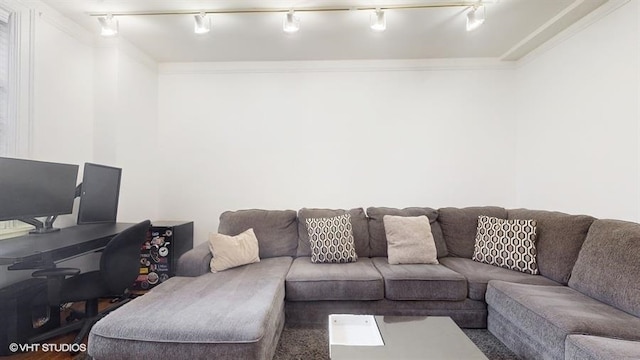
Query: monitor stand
(41, 227)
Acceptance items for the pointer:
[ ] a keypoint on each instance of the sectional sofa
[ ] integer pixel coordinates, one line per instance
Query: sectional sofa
(583, 304)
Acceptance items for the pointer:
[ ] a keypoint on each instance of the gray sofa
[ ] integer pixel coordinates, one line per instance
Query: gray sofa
(564, 312)
(597, 316)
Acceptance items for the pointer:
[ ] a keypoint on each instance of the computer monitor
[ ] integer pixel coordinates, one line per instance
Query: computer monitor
(99, 194)
(30, 189)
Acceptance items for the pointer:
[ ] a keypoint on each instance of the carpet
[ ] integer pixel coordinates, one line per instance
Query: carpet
(303, 343)
(312, 343)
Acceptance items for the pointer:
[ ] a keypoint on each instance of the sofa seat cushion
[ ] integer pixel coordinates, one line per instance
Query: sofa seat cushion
(359, 280)
(479, 274)
(547, 314)
(420, 281)
(585, 347)
(229, 314)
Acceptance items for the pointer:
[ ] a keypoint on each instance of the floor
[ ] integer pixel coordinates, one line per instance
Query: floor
(53, 351)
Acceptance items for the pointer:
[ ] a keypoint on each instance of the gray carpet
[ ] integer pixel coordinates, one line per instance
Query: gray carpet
(304, 343)
(312, 343)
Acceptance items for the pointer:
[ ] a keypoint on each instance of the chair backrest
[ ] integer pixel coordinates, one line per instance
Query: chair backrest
(120, 260)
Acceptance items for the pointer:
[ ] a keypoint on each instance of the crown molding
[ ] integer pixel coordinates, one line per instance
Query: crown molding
(250, 67)
(60, 22)
(603, 11)
(71, 28)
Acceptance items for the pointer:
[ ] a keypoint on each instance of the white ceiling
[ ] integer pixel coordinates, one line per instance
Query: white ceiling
(512, 29)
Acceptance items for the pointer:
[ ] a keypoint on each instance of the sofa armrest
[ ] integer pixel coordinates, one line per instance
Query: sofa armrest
(195, 262)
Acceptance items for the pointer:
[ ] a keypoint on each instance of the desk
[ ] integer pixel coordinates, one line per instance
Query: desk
(40, 251)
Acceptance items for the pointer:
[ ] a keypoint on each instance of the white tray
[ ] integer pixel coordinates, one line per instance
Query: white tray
(354, 330)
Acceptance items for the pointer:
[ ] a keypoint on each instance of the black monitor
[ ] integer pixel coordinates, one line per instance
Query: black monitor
(31, 189)
(99, 193)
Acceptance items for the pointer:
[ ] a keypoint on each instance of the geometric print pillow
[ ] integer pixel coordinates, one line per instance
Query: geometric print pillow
(331, 239)
(507, 243)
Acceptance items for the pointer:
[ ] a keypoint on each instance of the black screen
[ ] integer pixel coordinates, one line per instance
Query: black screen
(30, 189)
(99, 194)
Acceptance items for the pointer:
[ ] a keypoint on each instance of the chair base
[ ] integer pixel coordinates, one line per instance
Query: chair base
(90, 317)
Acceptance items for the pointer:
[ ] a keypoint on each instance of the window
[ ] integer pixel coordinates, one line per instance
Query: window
(5, 126)
(15, 89)
(4, 92)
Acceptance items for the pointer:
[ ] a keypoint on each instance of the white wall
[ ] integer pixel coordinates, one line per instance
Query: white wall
(93, 103)
(560, 132)
(126, 95)
(578, 134)
(280, 138)
(97, 102)
(62, 123)
(138, 139)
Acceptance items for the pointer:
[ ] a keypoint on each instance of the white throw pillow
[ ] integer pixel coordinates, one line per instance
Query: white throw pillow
(409, 240)
(231, 251)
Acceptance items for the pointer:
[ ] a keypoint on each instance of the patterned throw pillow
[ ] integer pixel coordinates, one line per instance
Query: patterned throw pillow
(331, 239)
(507, 243)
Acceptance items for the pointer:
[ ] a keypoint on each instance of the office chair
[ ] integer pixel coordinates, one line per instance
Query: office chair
(119, 267)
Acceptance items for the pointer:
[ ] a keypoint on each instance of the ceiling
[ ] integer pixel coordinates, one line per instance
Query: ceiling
(512, 28)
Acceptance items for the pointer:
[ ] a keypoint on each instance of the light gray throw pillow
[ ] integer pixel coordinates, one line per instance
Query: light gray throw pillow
(409, 240)
(232, 251)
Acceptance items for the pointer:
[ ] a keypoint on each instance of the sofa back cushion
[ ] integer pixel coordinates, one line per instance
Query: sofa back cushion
(276, 230)
(378, 236)
(559, 239)
(607, 267)
(460, 225)
(358, 227)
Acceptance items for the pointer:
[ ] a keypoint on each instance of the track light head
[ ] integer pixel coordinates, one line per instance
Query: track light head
(377, 21)
(475, 17)
(202, 24)
(109, 25)
(291, 23)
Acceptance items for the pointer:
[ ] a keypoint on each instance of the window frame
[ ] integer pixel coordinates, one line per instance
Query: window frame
(19, 87)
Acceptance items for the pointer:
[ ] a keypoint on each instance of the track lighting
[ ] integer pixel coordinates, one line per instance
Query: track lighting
(377, 21)
(475, 17)
(109, 25)
(202, 23)
(291, 23)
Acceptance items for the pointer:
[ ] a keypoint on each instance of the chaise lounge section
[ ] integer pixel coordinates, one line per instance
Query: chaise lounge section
(240, 312)
(602, 299)
(233, 314)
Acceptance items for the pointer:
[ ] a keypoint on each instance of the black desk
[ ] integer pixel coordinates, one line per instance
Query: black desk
(40, 251)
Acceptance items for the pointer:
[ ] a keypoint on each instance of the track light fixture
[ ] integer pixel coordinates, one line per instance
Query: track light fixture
(377, 21)
(475, 17)
(202, 23)
(109, 25)
(291, 23)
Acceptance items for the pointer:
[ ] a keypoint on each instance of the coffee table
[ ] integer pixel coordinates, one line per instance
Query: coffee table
(408, 337)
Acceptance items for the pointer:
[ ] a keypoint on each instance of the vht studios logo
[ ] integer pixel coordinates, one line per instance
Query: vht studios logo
(13, 347)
